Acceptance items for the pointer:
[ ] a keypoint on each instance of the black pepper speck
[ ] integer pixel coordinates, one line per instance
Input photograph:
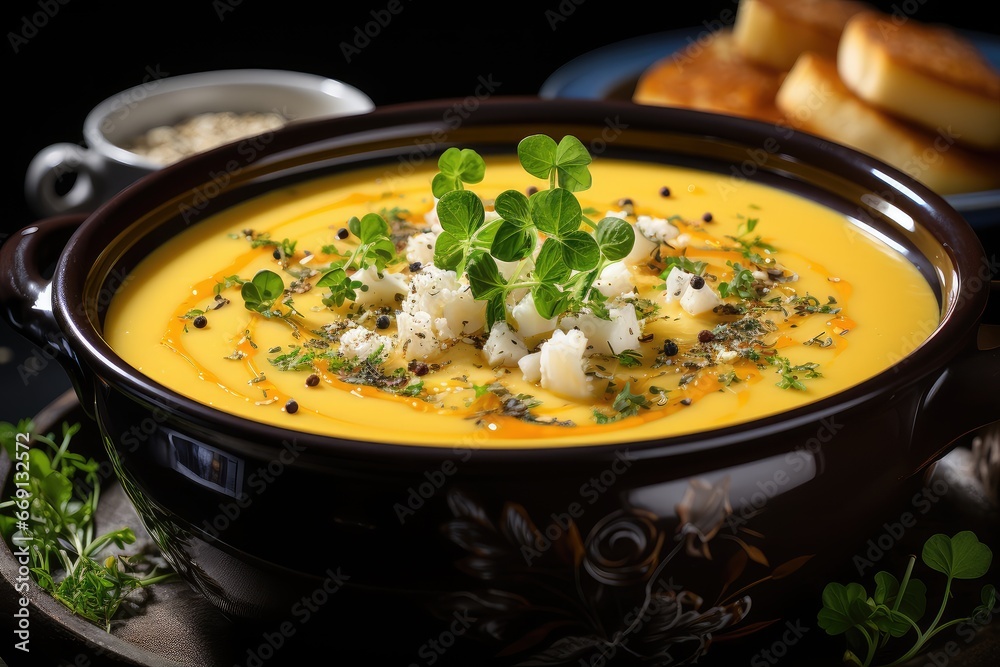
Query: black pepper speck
(342, 233)
(291, 406)
(200, 321)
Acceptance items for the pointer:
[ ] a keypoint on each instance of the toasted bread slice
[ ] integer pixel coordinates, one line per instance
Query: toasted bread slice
(774, 32)
(929, 74)
(711, 77)
(815, 100)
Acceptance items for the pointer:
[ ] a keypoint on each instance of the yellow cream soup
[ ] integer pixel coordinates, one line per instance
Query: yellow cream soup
(837, 308)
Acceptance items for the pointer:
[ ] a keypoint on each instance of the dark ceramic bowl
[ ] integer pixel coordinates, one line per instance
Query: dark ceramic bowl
(659, 547)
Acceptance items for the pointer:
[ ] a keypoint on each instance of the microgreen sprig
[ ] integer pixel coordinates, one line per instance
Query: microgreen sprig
(262, 293)
(55, 521)
(741, 285)
(626, 404)
(375, 249)
(457, 167)
(555, 258)
(895, 609)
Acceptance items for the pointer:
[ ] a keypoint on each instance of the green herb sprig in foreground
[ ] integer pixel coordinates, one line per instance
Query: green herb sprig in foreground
(871, 622)
(52, 515)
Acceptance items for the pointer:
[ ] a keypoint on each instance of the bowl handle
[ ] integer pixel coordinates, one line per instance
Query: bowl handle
(965, 396)
(25, 296)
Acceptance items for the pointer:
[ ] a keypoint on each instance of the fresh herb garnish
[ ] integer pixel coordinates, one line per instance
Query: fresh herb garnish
(456, 167)
(808, 304)
(684, 263)
(870, 623)
(561, 272)
(375, 248)
(54, 511)
(741, 284)
(507, 404)
(227, 282)
(298, 359)
(626, 404)
(261, 293)
(629, 358)
(342, 287)
(791, 376)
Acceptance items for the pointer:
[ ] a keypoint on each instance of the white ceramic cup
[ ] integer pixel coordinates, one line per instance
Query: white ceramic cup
(102, 167)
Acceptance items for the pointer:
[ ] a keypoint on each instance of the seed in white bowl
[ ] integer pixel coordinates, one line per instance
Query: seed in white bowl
(167, 144)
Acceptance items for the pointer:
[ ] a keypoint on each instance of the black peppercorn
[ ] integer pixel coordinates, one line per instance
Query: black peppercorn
(669, 348)
(200, 321)
(312, 380)
(382, 322)
(664, 191)
(697, 282)
(276, 254)
(706, 336)
(418, 367)
(707, 217)
(342, 233)
(416, 266)
(530, 190)
(291, 406)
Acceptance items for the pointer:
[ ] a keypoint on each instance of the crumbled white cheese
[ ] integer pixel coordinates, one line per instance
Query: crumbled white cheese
(681, 241)
(529, 322)
(615, 280)
(416, 335)
(642, 250)
(698, 301)
(612, 336)
(562, 365)
(439, 294)
(464, 314)
(655, 229)
(432, 220)
(694, 301)
(361, 343)
(426, 286)
(378, 290)
(420, 248)
(504, 347)
(531, 367)
(727, 356)
(678, 281)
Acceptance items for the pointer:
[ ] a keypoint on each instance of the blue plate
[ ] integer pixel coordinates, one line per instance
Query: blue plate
(611, 72)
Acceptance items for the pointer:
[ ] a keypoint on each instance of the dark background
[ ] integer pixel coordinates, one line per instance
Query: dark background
(76, 53)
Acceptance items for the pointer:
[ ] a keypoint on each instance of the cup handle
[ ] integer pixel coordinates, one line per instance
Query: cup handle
(26, 298)
(43, 174)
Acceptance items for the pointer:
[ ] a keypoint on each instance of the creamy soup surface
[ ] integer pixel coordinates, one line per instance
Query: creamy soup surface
(736, 301)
